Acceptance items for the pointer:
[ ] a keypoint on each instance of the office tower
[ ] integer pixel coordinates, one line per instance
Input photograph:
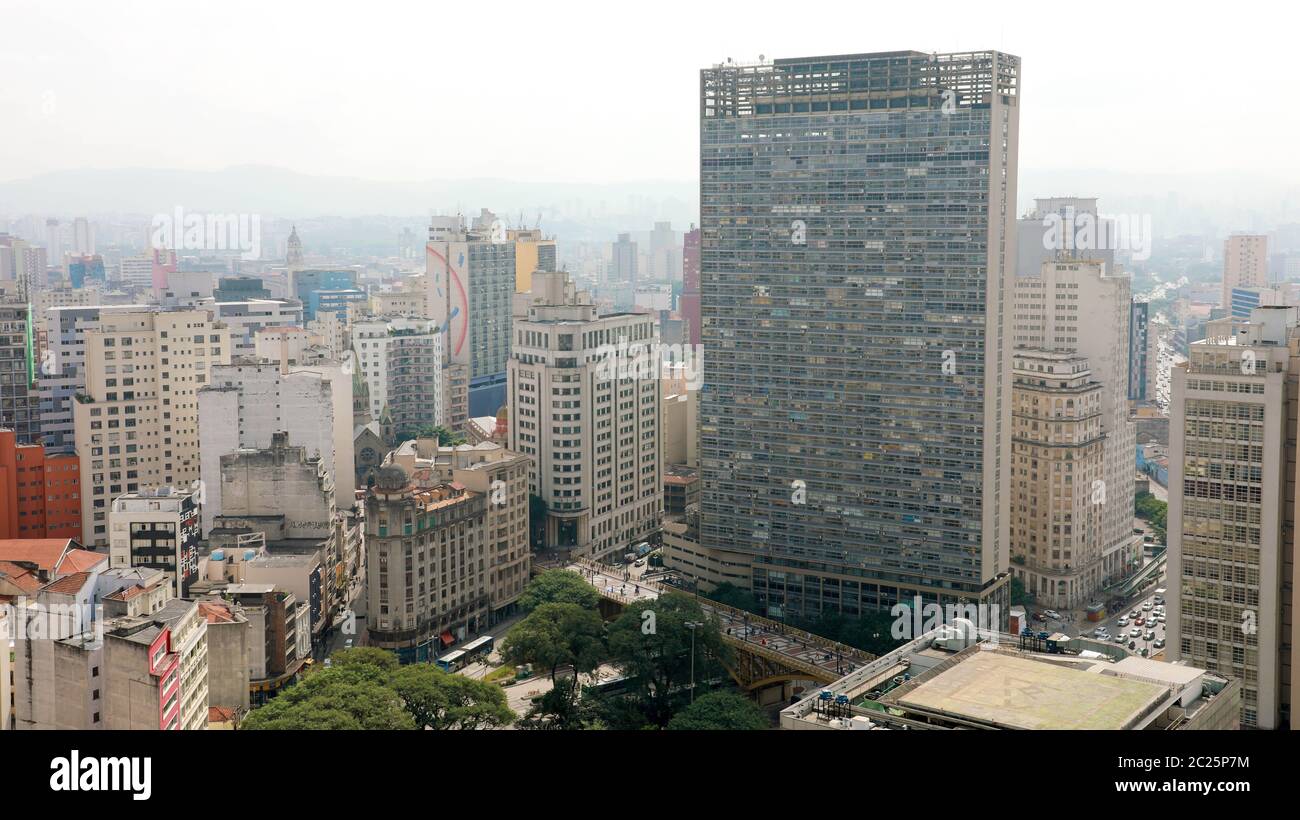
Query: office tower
(409, 300)
(303, 282)
(1244, 300)
(158, 529)
(665, 253)
(1138, 348)
(1057, 456)
(240, 289)
(136, 424)
(471, 282)
(689, 306)
(533, 252)
(1082, 306)
(591, 431)
(83, 270)
(1232, 475)
(54, 241)
(136, 271)
(400, 358)
(1064, 226)
(857, 246)
(623, 270)
(40, 493)
(19, 398)
(23, 264)
(83, 236)
(1245, 264)
(426, 565)
(245, 405)
(502, 478)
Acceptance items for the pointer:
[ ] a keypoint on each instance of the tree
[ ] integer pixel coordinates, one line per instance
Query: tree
(720, 711)
(438, 700)
(1019, 595)
(734, 596)
(445, 437)
(559, 586)
(347, 697)
(1152, 510)
(556, 635)
(660, 658)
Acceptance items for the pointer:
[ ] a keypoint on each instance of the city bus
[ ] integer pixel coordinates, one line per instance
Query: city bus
(477, 647)
(452, 661)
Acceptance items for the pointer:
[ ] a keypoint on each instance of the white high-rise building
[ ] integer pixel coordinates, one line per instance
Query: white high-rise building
(591, 430)
(401, 358)
(1083, 306)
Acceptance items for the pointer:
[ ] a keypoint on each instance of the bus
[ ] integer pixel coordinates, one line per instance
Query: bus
(477, 647)
(452, 661)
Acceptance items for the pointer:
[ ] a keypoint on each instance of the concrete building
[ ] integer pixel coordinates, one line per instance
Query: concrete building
(401, 360)
(1082, 306)
(426, 565)
(40, 492)
(689, 304)
(228, 664)
(157, 528)
(1231, 511)
(274, 619)
(240, 289)
(533, 252)
(500, 476)
(1245, 264)
(1064, 226)
(187, 289)
(303, 282)
(943, 680)
(245, 405)
(470, 276)
(585, 408)
(410, 300)
(137, 423)
(245, 319)
(1058, 460)
(855, 419)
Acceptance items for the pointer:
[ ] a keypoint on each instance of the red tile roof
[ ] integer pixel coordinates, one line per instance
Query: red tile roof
(81, 560)
(43, 552)
(215, 613)
(69, 583)
(20, 577)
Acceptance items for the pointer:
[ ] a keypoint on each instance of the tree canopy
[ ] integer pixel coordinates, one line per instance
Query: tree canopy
(720, 711)
(559, 586)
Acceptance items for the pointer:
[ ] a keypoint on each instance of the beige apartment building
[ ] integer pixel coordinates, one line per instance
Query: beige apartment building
(1057, 464)
(1245, 264)
(1232, 486)
(1083, 306)
(500, 476)
(426, 565)
(137, 425)
(585, 402)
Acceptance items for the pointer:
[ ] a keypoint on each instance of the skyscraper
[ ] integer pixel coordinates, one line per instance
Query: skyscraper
(1232, 478)
(690, 301)
(1245, 264)
(1138, 347)
(857, 245)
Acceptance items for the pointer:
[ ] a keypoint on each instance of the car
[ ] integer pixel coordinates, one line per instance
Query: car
(1052, 614)
(1120, 638)
(1143, 652)
(1159, 643)
(1159, 600)
(1160, 619)
(1100, 632)
(1134, 632)
(1133, 615)
(640, 562)
(1122, 622)
(1139, 621)
(1150, 635)
(1147, 606)
(347, 644)
(1132, 644)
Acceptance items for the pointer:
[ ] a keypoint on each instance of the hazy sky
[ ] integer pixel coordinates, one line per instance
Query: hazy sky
(601, 91)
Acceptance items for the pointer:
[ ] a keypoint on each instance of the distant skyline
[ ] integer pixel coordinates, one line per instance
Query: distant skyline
(592, 93)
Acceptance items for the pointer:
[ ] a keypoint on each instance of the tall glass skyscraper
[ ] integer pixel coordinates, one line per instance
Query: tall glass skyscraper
(857, 250)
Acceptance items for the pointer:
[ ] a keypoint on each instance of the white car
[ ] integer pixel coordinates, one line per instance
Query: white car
(1052, 615)
(1147, 606)
(1134, 632)
(1120, 638)
(1122, 622)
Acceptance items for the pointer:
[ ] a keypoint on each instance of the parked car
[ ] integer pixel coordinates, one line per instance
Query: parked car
(1053, 614)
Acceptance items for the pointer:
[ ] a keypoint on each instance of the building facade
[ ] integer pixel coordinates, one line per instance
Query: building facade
(857, 246)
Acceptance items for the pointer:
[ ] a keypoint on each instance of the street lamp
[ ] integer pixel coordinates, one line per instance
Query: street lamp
(691, 625)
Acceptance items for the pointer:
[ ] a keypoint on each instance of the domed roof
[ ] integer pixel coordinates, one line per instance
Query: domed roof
(391, 478)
